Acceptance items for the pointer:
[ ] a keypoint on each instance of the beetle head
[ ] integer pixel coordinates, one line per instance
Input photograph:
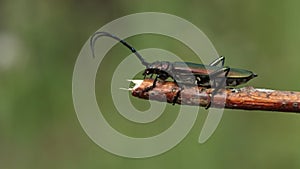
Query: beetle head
(159, 68)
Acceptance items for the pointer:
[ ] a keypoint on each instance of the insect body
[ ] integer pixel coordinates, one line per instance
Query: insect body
(187, 73)
(180, 72)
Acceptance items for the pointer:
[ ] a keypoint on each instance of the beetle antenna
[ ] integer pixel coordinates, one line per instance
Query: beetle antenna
(97, 35)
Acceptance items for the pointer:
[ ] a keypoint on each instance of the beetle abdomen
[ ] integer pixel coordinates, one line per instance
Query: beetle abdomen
(185, 71)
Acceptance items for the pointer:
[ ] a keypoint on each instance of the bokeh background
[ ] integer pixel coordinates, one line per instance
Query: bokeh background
(39, 44)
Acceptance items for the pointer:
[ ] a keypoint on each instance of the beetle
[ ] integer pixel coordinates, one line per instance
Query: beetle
(186, 73)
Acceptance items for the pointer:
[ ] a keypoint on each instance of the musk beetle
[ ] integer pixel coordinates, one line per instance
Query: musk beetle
(186, 73)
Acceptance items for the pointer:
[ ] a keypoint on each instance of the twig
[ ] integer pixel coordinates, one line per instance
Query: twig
(248, 98)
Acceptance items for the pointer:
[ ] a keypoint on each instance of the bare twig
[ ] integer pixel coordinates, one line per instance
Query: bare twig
(248, 98)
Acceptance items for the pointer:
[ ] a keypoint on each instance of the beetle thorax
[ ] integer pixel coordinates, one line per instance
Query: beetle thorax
(158, 67)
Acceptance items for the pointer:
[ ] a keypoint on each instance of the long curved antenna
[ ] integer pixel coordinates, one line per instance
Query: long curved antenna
(97, 35)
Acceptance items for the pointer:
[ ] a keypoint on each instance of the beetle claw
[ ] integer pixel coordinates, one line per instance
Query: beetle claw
(147, 89)
(208, 105)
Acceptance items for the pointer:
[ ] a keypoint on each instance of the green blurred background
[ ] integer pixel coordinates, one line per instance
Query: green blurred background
(39, 44)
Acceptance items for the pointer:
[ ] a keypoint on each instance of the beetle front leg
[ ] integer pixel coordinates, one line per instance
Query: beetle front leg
(147, 89)
(176, 96)
(218, 87)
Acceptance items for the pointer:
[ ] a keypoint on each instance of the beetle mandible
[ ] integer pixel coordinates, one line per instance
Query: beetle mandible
(186, 73)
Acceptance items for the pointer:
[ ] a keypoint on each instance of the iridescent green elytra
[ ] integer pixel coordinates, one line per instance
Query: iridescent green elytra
(233, 78)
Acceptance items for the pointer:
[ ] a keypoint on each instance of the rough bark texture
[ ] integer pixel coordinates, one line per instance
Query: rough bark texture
(248, 98)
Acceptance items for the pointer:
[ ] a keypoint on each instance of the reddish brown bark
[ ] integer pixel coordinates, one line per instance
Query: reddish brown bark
(248, 98)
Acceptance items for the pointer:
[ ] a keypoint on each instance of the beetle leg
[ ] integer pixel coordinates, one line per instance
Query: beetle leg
(153, 85)
(219, 72)
(217, 61)
(218, 87)
(176, 97)
(198, 80)
(155, 80)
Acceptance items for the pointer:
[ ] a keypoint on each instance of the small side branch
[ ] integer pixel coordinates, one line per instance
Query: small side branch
(247, 98)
